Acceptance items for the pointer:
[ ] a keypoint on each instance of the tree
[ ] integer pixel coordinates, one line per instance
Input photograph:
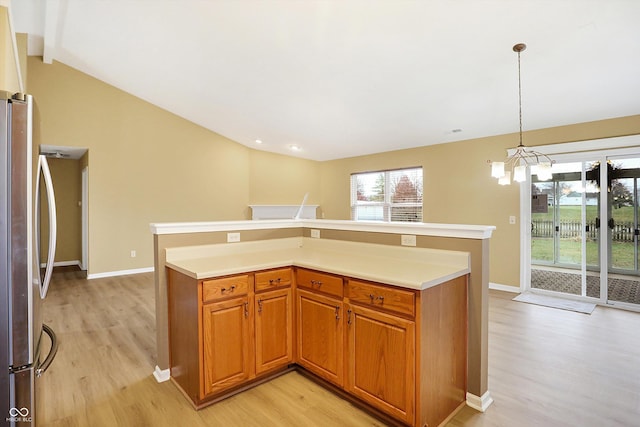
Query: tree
(360, 196)
(378, 195)
(405, 191)
(621, 195)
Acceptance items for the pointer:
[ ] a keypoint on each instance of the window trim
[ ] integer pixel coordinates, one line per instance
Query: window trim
(387, 205)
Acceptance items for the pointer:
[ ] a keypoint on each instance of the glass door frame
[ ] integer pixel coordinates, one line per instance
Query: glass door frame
(635, 176)
(592, 150)
(567, 176)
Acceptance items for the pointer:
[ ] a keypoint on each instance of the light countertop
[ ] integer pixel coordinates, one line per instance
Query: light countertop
(412, 268)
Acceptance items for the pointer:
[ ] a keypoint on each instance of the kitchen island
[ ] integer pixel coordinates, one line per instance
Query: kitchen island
(418, 298)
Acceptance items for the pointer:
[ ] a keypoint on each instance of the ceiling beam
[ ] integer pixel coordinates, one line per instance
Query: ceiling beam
(51, 20)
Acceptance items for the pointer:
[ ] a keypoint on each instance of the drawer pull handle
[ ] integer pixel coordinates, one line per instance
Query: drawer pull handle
(272, 281)
(316, 282)
(374, 298)
(337, 312)
(231, 289)
(349, 317)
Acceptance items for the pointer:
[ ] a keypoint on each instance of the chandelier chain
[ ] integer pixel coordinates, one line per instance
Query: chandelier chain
(520, 99)
(521, 158)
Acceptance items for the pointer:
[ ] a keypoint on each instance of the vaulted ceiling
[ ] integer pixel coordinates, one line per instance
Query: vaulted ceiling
(340, 78)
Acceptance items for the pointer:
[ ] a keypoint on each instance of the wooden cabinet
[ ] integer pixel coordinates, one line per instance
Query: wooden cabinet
(381, 361)
(407, 350)
(401, 351)
(384, 298)
(217, 289)
(226, 344)
(320, 322)
(274, 329)
(273, 279)
(226, 339)
(317, 281)
(225, 332)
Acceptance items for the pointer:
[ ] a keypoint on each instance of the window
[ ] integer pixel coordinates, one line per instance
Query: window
(391, 195)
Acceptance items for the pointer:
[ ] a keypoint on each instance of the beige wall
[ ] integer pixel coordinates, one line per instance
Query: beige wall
(9, 79)
(458, 187)
(147, 165)
(278, 179)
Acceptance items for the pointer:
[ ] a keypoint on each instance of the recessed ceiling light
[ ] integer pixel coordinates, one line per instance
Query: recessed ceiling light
(294, 147)
(258, 141)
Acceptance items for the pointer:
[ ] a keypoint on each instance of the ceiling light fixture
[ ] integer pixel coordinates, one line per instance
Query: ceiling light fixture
(258, 141)
(294, 147)
(516, 164)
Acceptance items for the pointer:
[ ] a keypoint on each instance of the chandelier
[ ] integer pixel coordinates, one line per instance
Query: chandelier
(516, 164)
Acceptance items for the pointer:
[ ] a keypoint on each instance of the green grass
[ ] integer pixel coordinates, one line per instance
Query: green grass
(572, 213)
(570, 252)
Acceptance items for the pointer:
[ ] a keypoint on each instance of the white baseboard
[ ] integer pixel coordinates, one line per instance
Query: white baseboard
(62, 264)
(161, 375)
(119, 273)
(505, 288)
(66, 263)
(479, 403)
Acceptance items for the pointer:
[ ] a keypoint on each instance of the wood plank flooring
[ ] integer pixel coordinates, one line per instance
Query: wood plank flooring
(547, 367)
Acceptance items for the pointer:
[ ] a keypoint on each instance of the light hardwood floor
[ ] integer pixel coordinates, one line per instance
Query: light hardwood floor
(547, 367)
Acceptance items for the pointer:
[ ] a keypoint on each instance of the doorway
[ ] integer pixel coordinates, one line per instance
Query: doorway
(623, 230)
(565, 231)
(584, 237)
(69, 173)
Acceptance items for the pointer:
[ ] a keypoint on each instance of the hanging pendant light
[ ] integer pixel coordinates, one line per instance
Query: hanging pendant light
(516, 164)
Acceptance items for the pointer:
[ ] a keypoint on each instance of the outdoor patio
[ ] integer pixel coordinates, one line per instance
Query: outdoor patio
(621, 288)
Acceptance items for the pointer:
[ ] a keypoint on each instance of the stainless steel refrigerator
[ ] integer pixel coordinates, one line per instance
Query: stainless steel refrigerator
(27, 210)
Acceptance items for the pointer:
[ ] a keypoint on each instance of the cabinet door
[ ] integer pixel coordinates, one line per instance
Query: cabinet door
(274, 329)
(226, 344)
(320, 335)
(381, 361)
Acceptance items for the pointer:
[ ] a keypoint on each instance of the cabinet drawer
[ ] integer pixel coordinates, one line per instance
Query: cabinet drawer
(216, 289)
(387, 298)
(325, 283)
(273, 279)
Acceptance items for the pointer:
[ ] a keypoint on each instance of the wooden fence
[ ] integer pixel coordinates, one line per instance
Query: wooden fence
(623, 232)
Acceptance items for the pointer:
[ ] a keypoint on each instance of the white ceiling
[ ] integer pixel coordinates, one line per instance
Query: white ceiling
(342, 78)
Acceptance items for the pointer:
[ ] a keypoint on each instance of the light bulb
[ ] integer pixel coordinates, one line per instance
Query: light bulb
(506, 179)
(520, 173)
(544, 171)
(497, 169)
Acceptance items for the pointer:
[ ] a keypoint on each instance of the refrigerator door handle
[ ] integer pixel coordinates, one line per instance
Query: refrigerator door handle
(43, 166)
(52, 352)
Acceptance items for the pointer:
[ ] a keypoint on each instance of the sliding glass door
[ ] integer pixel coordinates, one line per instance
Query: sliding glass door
(565, 231)
(571, 214)
(623, 230)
